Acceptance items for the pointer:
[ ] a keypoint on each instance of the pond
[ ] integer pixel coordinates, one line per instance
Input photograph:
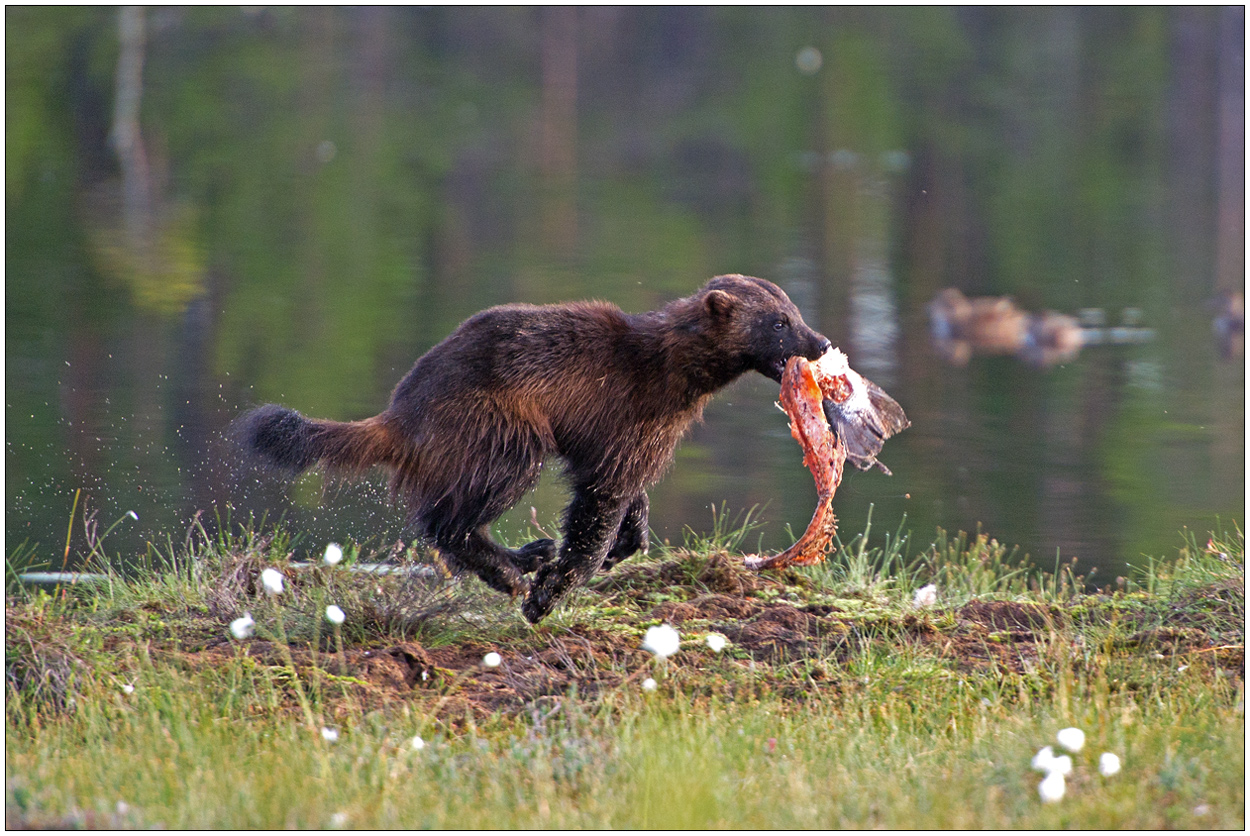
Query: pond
(209, 209)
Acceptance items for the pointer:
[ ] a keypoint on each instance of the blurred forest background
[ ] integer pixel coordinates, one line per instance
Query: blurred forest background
(210, 208)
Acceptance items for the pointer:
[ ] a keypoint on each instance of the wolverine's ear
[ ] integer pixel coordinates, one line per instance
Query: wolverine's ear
(719, 303)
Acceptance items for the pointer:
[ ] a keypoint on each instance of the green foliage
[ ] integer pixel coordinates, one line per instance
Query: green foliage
(728, 533)
(855, 570)
(1204, 588)
(977, 569)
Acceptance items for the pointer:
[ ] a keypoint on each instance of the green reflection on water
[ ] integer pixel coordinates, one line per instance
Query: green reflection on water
(330, 191)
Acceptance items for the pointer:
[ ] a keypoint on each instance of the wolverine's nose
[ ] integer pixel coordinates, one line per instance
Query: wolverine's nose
(825, 345)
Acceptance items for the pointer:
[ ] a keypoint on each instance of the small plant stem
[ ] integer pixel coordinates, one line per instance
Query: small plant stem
(338, 645)
(70, 529)
(309, 719)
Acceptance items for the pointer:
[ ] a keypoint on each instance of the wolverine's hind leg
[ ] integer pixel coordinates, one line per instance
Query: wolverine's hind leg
(460, 530)
(467, 544)
(476, 552)
(532, 556)
(632, 535)
(454, 506)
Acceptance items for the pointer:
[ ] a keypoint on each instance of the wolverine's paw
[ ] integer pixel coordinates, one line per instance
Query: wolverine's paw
(505, 579)
(534, 609)
(541, 600)
(532, 556)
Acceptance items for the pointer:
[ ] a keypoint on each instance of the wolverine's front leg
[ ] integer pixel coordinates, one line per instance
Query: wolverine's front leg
(590, 525)
(632, 535)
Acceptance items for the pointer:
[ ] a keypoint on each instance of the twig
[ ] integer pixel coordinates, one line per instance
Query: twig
(534, 522)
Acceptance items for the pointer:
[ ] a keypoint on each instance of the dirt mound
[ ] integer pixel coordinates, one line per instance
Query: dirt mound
(454, 679)
(402, 667)
(1008, 615)
(779, 632)
(768, 632)
(712, 607)
(719, 572)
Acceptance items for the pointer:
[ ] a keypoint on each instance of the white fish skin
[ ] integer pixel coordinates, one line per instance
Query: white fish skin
(865, 418)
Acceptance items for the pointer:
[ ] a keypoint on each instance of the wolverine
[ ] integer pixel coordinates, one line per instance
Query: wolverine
(609, 393)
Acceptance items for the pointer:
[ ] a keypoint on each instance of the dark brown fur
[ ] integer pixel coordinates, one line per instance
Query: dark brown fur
(611, 393)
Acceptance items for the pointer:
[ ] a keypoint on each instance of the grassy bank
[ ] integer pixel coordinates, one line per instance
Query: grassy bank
(837, 701)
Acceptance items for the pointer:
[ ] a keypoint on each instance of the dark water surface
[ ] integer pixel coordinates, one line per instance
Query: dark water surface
(208, 209)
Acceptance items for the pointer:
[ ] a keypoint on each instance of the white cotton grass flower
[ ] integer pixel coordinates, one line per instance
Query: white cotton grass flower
(334, 615)
(1108, 764)
(648, 684)
(1052, 787)
(338, 820)
(271, 579)
(662, 640)
(492, 660)
(417, 743)
(1046, 761)
(329, 735)
(1042, 760)
(926, 596)
(243, 627)
(716, 641)
(1072, 739)
(334, 553)
(127, 688)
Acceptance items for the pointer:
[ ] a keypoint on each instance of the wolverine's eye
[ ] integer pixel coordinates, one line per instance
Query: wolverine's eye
(779, 325)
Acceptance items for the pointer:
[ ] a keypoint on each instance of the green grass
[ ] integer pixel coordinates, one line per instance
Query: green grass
(837, 703)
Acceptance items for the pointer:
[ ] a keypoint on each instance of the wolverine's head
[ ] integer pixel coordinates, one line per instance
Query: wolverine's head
(761, 324)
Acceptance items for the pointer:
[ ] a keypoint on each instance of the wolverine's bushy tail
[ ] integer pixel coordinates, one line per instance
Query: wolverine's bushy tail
(285, 439)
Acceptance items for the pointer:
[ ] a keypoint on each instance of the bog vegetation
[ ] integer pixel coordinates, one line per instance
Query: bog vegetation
(228, 685)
